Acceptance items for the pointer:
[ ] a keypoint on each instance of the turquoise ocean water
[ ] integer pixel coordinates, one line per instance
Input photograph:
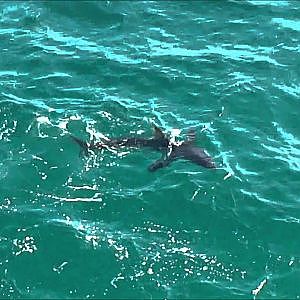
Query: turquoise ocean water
(103, 226)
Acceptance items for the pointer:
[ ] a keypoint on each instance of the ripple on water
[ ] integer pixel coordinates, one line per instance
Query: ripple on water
(107, 69)
(154, 255)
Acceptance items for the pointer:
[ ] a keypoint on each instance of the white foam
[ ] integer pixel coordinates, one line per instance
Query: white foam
(43, 120)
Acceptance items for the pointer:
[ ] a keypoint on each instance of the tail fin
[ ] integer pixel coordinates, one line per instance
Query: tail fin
(83, 145)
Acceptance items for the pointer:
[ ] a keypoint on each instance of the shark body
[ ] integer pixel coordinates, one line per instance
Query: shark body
(171, 151)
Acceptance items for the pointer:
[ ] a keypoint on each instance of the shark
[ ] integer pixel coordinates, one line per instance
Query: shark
(171, 150)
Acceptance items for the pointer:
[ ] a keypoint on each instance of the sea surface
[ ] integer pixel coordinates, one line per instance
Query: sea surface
(101, 225)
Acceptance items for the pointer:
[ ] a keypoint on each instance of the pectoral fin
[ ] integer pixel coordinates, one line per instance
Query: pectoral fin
(158, 164)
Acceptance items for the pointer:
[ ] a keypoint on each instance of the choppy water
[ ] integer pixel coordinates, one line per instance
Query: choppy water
(103, 226)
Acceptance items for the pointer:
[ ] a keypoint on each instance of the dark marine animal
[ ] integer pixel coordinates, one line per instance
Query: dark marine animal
(171, 151)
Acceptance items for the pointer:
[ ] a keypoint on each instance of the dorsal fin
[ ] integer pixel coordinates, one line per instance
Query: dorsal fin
(191, 135)
(158, 134)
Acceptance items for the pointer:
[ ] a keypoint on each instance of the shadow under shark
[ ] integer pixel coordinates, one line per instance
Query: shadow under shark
(171, 150)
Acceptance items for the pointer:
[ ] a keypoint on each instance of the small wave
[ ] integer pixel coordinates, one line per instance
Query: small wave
(290, 90)
(291, 24)
(276, 3)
